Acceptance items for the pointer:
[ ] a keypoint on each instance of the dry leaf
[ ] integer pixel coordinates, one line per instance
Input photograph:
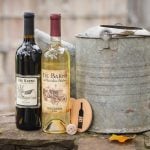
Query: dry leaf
(120, 138)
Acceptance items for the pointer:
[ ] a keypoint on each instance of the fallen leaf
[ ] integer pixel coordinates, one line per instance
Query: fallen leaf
(120, 138)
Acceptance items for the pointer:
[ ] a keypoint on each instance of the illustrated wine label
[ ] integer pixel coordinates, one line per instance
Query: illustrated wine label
(28, 90)
(54, 90)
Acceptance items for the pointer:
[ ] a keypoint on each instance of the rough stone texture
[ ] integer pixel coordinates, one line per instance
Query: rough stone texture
(102, 143)
(139, 13)
(14, 139)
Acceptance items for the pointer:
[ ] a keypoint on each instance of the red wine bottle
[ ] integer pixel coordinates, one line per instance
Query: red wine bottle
(28, 70)
(80, 117)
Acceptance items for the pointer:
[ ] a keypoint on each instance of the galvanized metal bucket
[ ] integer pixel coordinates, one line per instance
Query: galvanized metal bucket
(113, 73)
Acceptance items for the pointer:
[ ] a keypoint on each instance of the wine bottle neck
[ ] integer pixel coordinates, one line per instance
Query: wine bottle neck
(29, 27)
(55, 30)
(55, 41)
(55, 25)
(81, 105)
(29, 38)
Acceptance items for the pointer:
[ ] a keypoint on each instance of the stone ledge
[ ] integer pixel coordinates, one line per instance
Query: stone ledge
(13, 139)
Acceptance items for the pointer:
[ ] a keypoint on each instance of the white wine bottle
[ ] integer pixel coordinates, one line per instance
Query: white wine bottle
(55, 82)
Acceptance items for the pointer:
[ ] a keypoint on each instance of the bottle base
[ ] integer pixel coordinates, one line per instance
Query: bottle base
(55, 126)
(28, 119)
(54, 132)
(28, 128)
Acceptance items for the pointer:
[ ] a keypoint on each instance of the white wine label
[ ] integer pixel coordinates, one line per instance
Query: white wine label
(55, 91)
(27, 90)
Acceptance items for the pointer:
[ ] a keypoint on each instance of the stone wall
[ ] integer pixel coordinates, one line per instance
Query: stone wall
(138, 13)
(78, 15)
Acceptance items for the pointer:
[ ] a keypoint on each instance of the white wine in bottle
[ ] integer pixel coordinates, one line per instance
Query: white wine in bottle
(55, 82)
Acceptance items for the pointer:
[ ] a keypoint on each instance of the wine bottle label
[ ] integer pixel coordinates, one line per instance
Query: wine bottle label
(28, 90)
(54, 90)
(80, 119)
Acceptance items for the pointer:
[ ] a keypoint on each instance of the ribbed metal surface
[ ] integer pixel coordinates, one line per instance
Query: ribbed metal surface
(116, 81)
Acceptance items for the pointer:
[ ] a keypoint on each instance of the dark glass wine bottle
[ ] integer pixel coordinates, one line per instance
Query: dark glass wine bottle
(28, 69)
(80, 117)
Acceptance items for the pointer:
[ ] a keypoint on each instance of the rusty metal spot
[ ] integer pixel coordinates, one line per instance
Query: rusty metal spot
(129, 111)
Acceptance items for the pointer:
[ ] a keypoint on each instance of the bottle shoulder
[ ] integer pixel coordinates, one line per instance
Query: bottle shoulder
(27, 48)
(53, 59)
(56, 53)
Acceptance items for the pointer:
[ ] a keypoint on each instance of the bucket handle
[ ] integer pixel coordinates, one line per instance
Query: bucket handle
(106, 36)
(108, 48)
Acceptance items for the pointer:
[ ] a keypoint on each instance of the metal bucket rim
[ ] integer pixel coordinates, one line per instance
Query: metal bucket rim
(119, 37)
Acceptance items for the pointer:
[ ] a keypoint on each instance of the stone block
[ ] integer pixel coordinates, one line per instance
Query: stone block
(9, 64)
(97, 8)
(11, 137)
(16, 8)
(45, 8)
(69, 8)
(12, 31)
(88, 143)
(7, 97)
